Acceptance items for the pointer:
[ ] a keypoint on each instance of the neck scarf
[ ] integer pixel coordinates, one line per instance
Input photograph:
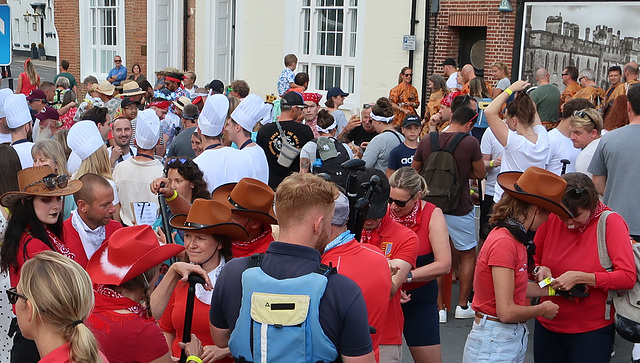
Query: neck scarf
(343, 238)
(58, 244)
(367, 234)
(91, 238)
(411, 219)
(595, 215)
(520, 234)
(108, 300)
(204, 295)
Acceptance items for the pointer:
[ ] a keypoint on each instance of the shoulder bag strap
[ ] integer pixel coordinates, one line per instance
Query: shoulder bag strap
(394, 134)
(435, 141)
(605, 260)
(454, 143)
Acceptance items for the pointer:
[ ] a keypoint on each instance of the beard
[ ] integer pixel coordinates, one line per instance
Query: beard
(322, 241)
(43, 134)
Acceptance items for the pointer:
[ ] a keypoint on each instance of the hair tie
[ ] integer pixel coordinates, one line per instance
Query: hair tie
(76, 323)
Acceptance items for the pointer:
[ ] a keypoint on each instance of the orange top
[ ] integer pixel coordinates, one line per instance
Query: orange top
(405, 96)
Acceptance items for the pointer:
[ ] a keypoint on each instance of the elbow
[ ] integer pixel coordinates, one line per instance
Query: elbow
(505, 315)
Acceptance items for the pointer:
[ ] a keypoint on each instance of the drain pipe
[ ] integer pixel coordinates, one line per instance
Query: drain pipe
(414, 21)
(425, 59)
(185, 27)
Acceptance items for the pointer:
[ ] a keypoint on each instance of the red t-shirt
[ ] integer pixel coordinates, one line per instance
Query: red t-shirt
(27, 87)
(61, 355)
(27, 248)
(502, 250)
(172, 320)
(71, 238)
(375, 282)
(127, 338)
(562, 249)
(245, 249)
(423, 218)
(396, 242)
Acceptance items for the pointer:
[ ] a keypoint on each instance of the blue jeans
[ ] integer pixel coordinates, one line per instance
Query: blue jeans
(493, 342)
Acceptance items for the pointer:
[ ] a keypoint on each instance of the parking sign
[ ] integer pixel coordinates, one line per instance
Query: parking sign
(5, 35)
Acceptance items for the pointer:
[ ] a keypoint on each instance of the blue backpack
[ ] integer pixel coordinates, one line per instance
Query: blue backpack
(279, 319)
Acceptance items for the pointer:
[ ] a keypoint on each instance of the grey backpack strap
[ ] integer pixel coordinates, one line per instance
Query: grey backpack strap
(605, 260)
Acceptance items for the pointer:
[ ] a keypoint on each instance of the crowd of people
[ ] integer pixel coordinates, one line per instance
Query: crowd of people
(111, 202)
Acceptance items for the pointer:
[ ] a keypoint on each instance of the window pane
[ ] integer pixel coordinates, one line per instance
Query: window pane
(339, 2)
(339, 20)
(353, 2)
(331, 44)
(306, 2)
(351, 74)
(320, 78)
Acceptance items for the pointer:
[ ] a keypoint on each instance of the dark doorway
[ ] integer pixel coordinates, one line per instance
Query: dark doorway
(472, 46)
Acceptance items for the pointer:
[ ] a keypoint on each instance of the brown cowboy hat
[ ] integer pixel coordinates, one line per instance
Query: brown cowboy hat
(249, 197)
(129, 252)
(537, 186)
(209, 217)
(32, 183)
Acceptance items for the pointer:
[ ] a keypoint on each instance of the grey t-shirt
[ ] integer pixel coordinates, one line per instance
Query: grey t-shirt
(376, 155)
(617, 158)
(503, 84)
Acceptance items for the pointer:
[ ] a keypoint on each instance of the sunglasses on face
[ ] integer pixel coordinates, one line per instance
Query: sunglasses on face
(51, 180)
(408, 75)
(13, 295)
(400, 203)
(118, 60)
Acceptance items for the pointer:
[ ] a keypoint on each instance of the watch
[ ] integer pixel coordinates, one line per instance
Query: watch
(536, 269)
(409, 278)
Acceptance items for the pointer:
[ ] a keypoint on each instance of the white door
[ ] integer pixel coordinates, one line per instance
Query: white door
(162, 34)
(223, 40)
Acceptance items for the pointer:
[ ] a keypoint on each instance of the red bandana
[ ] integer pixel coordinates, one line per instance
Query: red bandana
(595, 214)
(411, 219)
(160, 104)
(108, 300)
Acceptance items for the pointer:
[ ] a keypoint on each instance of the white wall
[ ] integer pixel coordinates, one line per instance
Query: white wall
(24, 33)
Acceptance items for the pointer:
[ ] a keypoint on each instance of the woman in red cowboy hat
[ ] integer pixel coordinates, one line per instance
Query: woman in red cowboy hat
(35, 226)
(125, 270)
(208, 232)
(504, 263)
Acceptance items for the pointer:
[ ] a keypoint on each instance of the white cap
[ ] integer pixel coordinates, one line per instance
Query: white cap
(249, 112)
(213, 115)
(84, 138)
(147, 129)
(4, 93)
(16, 110)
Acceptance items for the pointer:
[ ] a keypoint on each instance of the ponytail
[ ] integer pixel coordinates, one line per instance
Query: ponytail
(83, 346)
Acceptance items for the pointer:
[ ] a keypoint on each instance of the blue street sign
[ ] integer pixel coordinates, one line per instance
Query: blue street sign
(5, 35)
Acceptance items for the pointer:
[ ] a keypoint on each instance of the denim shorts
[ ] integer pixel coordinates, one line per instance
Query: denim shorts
(492, 341)
(462, 230)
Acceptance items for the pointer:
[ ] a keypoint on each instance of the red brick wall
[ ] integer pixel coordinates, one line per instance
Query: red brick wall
(67, 23)
(136, 33)
(445, 37)
(191, 37)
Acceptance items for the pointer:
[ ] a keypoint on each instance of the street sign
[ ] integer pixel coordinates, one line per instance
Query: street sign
(505, 6)
(408, 42)
(5, 35)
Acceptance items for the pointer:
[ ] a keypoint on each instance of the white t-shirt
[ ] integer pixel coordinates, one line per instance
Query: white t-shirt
(491, 146)
(24, 153)
(309, 151)
(224, 165)
(259, 160)
(520, 153)
(5, 138)
(133, 178)
(132, 152)
(561, 147)
(584, 158)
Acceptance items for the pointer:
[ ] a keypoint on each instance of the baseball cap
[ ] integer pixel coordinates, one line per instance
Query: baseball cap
(411, 120)
(340, 211)
(449, 62)
(126, 101)
(36, 94)
(190, 112)
(335, 91)
(292, 99)
(48, 113)
(216, 86)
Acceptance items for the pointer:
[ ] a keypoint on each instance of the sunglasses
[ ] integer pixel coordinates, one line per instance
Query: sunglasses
(366, 106)
(400, 203)
(118, 60)
(576, 193)
(181, 160)
(51, 180)
(408, 75)
(565, 74)
(13, 295)
(584, 114)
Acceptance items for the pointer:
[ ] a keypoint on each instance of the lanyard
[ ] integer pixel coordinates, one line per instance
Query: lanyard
(21, 141)
(245, 144)
(146, 156)
(212, 146)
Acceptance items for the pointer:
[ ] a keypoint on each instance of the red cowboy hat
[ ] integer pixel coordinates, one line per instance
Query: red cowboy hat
(537, 186)
(209, 217)
(129, 252)
(249, 197)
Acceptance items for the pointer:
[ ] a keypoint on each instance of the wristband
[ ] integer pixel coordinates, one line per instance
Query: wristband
(491, 165)
(409, 277)
(509, 91)
(552, 291)
(173, 197)
(193, 358)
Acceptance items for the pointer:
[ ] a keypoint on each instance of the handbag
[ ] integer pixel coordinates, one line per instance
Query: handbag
(288, 152)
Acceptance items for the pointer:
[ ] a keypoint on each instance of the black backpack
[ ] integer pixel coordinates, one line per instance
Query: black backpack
(332, 166)
(441, 174)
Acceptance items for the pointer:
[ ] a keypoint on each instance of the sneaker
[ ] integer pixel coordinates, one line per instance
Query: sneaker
(467, 313)
(442, 314)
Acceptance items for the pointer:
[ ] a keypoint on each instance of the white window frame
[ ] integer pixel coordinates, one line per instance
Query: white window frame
(87, 47)
(294, 39)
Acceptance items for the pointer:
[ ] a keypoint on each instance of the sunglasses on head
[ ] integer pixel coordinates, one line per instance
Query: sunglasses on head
(181, 160)
(51, 180)
(366, 106)
(13, 295)
(400, 203)
(576, 193)
(584, 114)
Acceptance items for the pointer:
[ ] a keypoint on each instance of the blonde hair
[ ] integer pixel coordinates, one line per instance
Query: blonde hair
(501, 66)
(591, 121)
(96, 163)
(408, 179)
(53, 150)
(298, 193)
(61, 294)
(30, 69)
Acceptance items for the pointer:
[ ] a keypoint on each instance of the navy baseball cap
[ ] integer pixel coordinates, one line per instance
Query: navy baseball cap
(335, 91)
(411, 120)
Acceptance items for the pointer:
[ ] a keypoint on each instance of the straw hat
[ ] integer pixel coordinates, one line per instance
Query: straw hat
(106, 88)
(131, 89)
(209, 217)
(32, 183)
(129, 252)
(537, 186)
(249, 197)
